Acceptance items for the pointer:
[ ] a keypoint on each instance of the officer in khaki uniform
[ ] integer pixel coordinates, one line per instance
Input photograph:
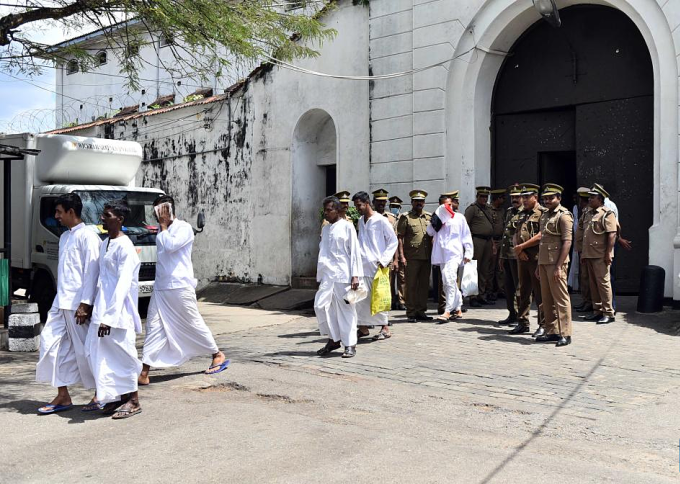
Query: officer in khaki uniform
(586, 305)
(415, 249)
(398, 273)
(598, 236)
(557, 228)
(498, 210)
(508, 259)
(527, 239)
(478, 216)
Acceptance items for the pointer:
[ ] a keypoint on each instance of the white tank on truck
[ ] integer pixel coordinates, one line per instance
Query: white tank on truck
(98, 170)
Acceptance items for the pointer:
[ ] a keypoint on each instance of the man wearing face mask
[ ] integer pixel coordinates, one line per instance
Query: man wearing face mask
(398, 271)
(415, 248)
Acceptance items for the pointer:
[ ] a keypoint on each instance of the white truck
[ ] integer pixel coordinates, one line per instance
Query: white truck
(98, 170)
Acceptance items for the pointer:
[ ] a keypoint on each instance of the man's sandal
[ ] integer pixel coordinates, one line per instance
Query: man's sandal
(126, 411)
(382, 335)
(330, 346)
(111, 407)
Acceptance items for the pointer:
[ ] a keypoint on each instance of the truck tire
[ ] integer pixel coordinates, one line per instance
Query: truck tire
(43, 293)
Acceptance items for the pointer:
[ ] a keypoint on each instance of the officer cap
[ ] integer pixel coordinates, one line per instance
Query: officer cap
(515, 189)
(343, 196)
(498, 192)
(417, 194)
(530, 189)
(452, 195)
(598, 189)
(395, 200)
(483, 190)
(583, 192)
(552, 189)
(380, 194)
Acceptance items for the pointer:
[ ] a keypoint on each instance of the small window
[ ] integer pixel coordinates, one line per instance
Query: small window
(101, 57)
(72, 67)
(47, 216)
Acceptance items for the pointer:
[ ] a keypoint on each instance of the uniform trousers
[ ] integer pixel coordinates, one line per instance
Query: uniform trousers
(528, 285)
(337, 319)
(417, 286)
(364, 316)
(63, 359)
(511, 284)
(584, 282)
(600, 286)
(449, 274)
(484, 256)
(556, 301)
(498, 280)
(398, 283)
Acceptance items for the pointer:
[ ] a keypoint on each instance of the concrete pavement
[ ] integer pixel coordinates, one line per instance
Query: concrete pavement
(462, 402)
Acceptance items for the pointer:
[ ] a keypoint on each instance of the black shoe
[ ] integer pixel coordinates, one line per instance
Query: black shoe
(350, 352)
(474, 303)
(585, 309)
(486, 302)
(519, 329)
(492, 299)
(539, 332)
(330, 346)
(593, 317)
(606, 320)
(424, 317)
(563, 341)
(411, 320)
(509, 321)
(401, 307)
(463, 310)
(546, 338)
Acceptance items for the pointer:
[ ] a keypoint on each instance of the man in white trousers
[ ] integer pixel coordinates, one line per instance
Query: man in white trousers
(378, 243)
(63, 361)
(175, 330)
(115, 320)
(338, 271)
(451, 247)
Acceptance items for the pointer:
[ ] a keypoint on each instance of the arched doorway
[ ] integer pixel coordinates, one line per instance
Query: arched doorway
(314, 152)
(574, 106)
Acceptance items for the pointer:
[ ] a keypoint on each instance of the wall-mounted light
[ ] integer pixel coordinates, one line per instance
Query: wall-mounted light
(549, 12)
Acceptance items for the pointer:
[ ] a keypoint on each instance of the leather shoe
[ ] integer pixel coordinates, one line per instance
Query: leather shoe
(585, 309)
(463, 310)
(593, 317)
(519, 329)
(350, 352)
(606, 320)
(546, 338)
(539, 332)
(486, 302)
(509, 321)
(474, 303)
(424, 317)
(563, 341)
(411, 320)
(330, 346)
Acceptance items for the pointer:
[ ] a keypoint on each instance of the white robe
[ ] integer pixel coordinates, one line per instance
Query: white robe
(378, 243)
(63, 360)
(175, 330)
(450, 246)
(113, 358)
(339, 261)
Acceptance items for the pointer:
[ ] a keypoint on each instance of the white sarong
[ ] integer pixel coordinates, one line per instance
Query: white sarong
(454, 299)
(364, 316)
(337, 319)
(175, 330)
(63, 361)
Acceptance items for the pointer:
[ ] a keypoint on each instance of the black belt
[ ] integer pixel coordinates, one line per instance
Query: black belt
(498, 237)
(483, 237)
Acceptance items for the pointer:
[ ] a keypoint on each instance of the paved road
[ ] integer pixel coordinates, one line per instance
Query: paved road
(462, 402)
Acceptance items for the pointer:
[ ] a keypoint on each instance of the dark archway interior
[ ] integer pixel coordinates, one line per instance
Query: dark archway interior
(574, 106)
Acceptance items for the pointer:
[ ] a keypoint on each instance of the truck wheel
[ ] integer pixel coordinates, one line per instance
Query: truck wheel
(43, 293)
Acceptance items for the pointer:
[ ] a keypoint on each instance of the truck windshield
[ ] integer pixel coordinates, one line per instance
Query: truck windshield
(141, 226)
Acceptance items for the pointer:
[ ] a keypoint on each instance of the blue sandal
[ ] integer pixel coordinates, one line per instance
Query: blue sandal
(54, 408)
(220, 368)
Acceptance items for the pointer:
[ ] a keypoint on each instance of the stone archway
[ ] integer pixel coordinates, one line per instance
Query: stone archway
(494, 30)
(314, 152)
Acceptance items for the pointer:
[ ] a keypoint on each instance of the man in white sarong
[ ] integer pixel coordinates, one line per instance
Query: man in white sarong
(63, 361)
(175, 330)
(451, 247)
(115, 320)
(338, 271)
(378, 243)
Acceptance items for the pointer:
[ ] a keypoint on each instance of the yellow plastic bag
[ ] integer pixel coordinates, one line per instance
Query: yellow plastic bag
(381, 294)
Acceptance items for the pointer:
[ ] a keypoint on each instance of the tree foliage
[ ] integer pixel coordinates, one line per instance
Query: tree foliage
(207, 36)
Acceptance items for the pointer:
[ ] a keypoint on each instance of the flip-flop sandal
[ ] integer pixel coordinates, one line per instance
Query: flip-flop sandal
(381, 336)
(54, 409)
(112, 407)
(221, 367)
(126, 413)
(92, 406)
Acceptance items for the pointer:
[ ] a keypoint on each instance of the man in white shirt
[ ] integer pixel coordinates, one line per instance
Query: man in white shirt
(378, 243)
(63, 361)
(338, 271)
(175, 330)
(451, 247)
(115, 320)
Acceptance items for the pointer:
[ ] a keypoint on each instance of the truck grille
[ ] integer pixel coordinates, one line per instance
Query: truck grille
(147, 271)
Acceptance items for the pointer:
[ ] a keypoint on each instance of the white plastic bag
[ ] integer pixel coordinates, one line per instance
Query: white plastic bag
(353, 297)
(468, 284)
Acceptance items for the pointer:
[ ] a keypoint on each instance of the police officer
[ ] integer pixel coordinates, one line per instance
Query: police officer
(415, 248)
(478, 216)
(527, 239)
(586, 305)
(597, 237)
(508, 259)
(498, 210)
(557, 226)
(398, 274)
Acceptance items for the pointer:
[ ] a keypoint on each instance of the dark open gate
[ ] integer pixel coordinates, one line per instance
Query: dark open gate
(574, 106)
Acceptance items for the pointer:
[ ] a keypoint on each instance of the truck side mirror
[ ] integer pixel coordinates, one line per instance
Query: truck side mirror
(200, 222)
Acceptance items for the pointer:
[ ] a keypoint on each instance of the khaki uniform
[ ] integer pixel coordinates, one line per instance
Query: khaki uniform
(479, 219)
(556, 227)
(509, 261)
(597, 225)
(397, 277)
(412, 228)
(528, 225)
(498, 220)
(583, 275)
